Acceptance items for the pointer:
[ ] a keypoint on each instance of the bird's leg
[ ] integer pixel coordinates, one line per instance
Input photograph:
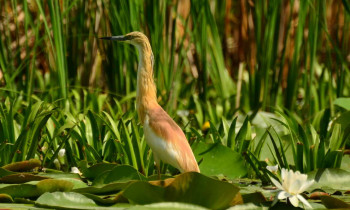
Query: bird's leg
(157, 160)
(161, 182)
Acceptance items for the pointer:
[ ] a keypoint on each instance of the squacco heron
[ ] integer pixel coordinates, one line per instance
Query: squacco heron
(163, 135)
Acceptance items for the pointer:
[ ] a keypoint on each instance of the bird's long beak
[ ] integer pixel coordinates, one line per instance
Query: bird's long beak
(117, 38)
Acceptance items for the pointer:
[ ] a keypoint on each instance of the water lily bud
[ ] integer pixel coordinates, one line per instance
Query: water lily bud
(273, 169)
(57, 164)
(62, 153)
(75, 170)
(61, 156)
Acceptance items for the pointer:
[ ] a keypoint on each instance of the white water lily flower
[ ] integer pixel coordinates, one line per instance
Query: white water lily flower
(272, 169)
(293, 183)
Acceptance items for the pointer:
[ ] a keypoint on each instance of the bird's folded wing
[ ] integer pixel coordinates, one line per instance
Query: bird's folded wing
(166, 128)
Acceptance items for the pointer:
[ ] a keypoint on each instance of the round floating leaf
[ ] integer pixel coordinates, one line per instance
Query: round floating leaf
(68, 200)
(201, 190)
(209, 155)
(330, 178)
(256, 197)
(104, 189)
(5, 198)
(20, 178)
(21, 190)
(53, 185)
(97, 169)
(4, 172)
(77, 182)
(99, 200)
(60, 175)
(168, 206)
(100, 180)
(16, 206)
(65, 200)
(23, 166)
(191, 187)
(284, 206)
(247, 206)
(334, 203)
(113, 180)
(23, 200)
(122, 173)
(144, 193)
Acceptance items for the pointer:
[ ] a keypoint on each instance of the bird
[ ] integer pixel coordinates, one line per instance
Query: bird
(165, 138)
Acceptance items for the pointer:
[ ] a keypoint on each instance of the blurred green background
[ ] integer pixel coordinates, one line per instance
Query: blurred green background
(245, 55)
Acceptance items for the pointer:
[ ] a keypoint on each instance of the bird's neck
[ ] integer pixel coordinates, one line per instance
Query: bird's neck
(146, 95)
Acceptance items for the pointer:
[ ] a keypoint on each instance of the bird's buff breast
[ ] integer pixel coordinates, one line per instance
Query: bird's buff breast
(160, 147)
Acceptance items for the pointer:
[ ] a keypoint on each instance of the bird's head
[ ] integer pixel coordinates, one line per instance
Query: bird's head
(135, 38)
(140, 41)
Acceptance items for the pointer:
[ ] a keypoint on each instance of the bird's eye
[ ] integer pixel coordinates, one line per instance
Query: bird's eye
(129, 37)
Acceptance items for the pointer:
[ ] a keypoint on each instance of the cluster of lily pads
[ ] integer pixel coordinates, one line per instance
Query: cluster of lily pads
(106, 185)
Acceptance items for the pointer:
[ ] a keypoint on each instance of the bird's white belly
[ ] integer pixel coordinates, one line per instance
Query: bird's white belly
(161, 148)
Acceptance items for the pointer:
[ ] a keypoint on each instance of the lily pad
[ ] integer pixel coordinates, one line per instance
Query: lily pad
(111, 181)
(97, 169)
(67, 200)
(104, 189)
(209, 155)
(121, 173)
(106, 201)
(21, 190)
(4, 172)
(76, 182)
(21, 178)
(53, 185)
(330, 178)
(60, 175)
(247, 206)
(334, 203)
(191, 187)
(23, 165)
(144, 193)
(5, 198)
(168, 206)
(198, 189)
(17, 206)
(256, 197)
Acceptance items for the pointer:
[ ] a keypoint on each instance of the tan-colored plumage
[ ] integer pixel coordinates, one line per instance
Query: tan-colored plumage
(163, 135)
